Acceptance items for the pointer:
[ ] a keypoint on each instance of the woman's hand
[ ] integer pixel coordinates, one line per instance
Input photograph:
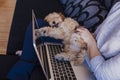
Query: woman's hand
(90, 40)
(87, 36)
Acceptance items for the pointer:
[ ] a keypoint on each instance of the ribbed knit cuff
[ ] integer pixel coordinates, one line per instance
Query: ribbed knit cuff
(96, 62)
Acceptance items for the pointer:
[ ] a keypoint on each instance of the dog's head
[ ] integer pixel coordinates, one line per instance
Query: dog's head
(54, 19)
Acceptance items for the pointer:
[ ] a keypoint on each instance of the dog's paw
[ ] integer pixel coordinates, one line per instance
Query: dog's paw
(78, 61)
(62, 57)
(37, 33)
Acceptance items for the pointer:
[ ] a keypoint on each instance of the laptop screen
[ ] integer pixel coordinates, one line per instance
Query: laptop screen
(39, 55)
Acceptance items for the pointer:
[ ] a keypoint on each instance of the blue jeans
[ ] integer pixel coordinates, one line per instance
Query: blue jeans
(28, 60)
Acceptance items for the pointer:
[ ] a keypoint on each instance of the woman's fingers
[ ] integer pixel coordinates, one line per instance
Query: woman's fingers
(82, 29)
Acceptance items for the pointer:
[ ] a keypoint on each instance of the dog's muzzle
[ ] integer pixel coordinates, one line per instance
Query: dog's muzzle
(55, 25)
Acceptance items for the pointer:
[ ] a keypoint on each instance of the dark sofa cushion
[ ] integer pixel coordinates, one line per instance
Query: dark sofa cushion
(89, 13)
(108, 3)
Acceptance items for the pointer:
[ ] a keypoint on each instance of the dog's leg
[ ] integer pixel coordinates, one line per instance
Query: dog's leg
(42, 31)
(80, 57)
(66, 47)
(56, 33)
(78, 61)
(51, 32)
(69, 56)
(83, 49)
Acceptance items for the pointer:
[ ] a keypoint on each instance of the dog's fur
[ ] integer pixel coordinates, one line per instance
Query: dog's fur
(54, 19)
(63, 31)
(76, 51)
(64, 28)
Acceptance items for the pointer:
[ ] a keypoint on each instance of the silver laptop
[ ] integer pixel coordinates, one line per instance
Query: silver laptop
(53, 69)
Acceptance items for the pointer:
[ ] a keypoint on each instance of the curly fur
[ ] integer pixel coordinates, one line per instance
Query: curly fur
(75, 47)
(76, 52)
(54, 19)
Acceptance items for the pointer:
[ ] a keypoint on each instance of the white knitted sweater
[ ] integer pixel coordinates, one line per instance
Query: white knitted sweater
(108, 41)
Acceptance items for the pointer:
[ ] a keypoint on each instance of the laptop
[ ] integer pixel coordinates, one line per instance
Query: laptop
(53, 69)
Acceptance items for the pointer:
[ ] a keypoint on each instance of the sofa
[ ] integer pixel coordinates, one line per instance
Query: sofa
(89, 13)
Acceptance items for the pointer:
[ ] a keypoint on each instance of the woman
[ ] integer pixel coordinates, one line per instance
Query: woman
(104, 52)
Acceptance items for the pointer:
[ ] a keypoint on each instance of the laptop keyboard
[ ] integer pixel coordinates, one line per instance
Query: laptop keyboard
(62, 70)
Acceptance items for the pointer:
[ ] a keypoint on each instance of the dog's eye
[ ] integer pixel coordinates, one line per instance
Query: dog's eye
(53, 22)
(75, 40)
(44, 31)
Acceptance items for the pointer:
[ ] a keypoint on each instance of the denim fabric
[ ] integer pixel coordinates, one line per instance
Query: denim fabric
(23, 68)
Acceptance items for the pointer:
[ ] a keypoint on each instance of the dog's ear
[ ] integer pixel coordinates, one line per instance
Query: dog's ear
(63, 17)
(46, 18)
(76, 27)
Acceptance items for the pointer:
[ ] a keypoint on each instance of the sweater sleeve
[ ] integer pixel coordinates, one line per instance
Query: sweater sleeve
(108, 37)
(106, 69)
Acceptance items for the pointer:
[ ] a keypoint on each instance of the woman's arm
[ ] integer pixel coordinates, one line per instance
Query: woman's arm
(106, 70)
(91, 42)
(103, 69)
(108, 37)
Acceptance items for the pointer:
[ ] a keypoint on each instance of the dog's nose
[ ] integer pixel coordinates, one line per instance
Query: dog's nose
(53, 22)
(56, 25)
(44, 32)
